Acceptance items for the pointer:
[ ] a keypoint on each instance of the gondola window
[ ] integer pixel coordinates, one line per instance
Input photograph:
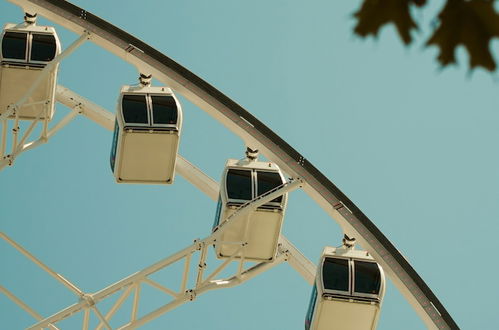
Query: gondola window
(268, 181)
(164, 109)
(43, 47)
(14, 46)
(239, 184)
(335, 274)
(135, 109)
(367, 277)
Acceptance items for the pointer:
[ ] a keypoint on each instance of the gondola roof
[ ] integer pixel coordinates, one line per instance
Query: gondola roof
(346, 253)
(25, 27)
(140, 89)
(252, 164)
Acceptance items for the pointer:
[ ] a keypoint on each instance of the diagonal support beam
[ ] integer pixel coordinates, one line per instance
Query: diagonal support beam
(212, 285)
(45, 71)
(187, 170)
(298, 261)
(245, 209)
(210, 188)
(40, 264)
(255, 133)
(24, 306)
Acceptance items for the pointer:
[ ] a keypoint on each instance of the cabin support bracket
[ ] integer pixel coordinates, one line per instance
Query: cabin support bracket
(19, 146)
(130, 287)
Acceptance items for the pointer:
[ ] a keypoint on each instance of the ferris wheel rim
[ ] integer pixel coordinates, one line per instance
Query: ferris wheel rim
(254, 131)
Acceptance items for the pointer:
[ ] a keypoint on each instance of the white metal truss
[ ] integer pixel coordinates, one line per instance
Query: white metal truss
(132, 284)
(19, 146)
(343, 211)
(189, 171)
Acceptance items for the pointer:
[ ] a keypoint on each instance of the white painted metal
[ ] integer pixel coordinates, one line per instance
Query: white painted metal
(146, 153)
(23, 305)
(411, 286)
(189, 171)
(86, 107)
(298, 261)
(261, 228)
(116, 306)
(20, 146)
(40, 264)
(133, 282)
(252, 137)
(88, 302)
(17, 77)
(345, 313)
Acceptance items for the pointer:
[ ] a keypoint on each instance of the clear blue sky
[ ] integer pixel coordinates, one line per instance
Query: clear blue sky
(414, 147)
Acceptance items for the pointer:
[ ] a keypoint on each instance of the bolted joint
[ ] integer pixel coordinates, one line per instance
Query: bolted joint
(284, 252)
(78, 108)
(199, 244)
(10, 159)
(190, 294)
(202, 266)
(88, 299)
(12, 109)
(88, 35)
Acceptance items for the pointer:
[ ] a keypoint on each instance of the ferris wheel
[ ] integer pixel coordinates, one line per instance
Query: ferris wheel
(252, 197)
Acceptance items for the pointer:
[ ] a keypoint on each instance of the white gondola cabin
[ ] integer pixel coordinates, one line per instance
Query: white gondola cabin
(348, 291)
(146, 135)
(242, 181)
(26, 50)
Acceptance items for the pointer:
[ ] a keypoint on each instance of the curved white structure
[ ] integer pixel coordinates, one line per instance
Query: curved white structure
(258, 136)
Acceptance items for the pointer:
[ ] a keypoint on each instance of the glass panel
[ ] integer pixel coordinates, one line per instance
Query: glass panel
(268, 181)
(239, 184)
(134, 109)
(311, 307)
(164, 110)
(115, 144)
(367, 277)
(335, 274)
(14, 45)
(217, 213)
(43, 47)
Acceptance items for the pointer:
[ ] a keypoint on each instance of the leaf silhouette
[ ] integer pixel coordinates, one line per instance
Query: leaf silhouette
(470, 23)
(374, 14)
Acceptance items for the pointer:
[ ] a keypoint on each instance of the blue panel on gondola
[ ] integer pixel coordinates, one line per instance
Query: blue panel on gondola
(114, 144)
